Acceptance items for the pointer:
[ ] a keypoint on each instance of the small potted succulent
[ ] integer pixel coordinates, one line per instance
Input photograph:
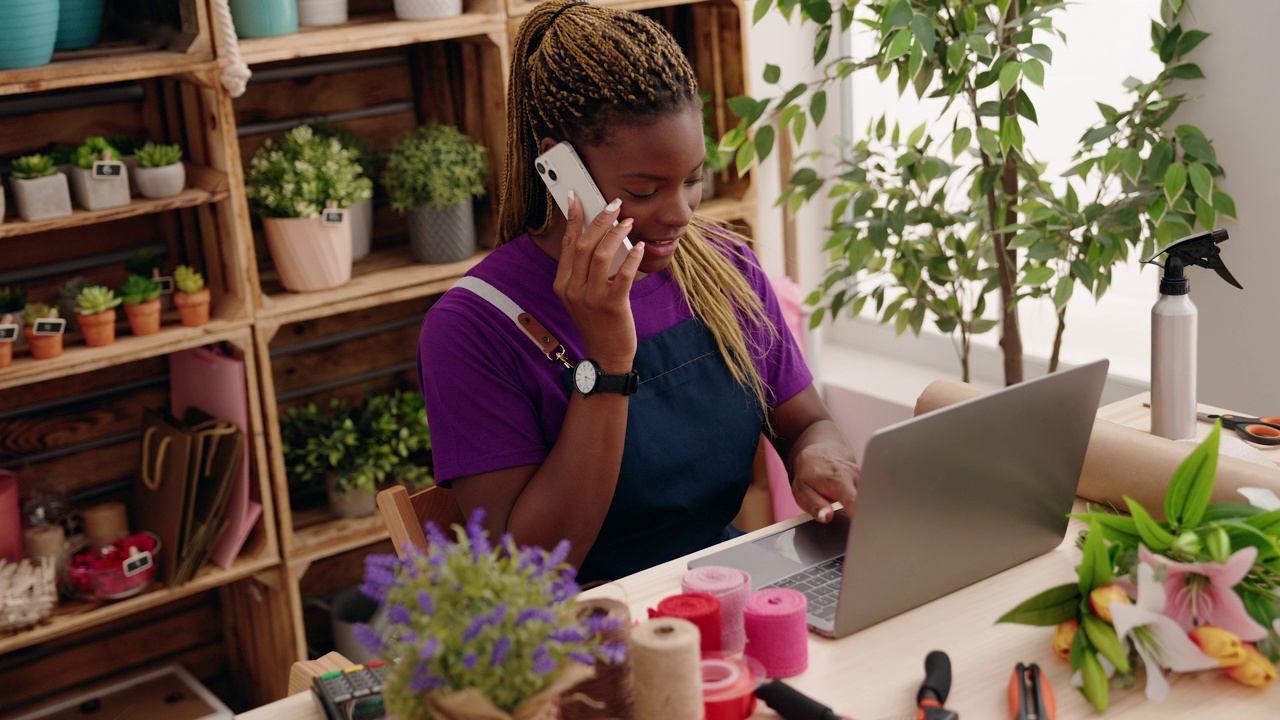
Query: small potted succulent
(192, 297)
(65, 298)
(432, 175)
(160, 172)
(99, 178)
(43, 329)
(40, 191)
(296, 184)
(97, 310)
(141, 297)
(12, 302)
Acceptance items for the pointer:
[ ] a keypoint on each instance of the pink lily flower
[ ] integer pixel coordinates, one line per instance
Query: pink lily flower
(1202, 593)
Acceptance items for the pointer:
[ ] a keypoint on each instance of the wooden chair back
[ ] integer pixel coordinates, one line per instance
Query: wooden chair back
(405, 514)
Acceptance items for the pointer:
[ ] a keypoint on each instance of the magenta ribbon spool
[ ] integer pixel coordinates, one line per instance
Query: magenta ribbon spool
(776, 621)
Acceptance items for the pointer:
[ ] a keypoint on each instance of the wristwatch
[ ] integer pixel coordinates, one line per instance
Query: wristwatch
(588, 379)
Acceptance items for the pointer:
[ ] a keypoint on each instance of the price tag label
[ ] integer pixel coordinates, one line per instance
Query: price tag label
(333, 216)
(8, 332)
(107, 169)
(49, 326)
(137, 562)
(166, 284)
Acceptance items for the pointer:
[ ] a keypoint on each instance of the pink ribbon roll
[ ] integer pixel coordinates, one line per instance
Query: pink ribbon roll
(778, 631)
(701, 609)
(732, 586)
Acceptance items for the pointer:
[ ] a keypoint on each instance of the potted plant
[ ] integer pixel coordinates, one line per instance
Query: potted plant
(40, 192)
(65, 297)
(141, 297)
(43, 329)
(717, 160)
(192, 297)
(427, 9)
(97, 312)
(264, 18)
(79, 24)
(28, 33)
(293, 183)
(160, 172)
(432, 175)
(99, 178)
(12, 302)
(361, 212)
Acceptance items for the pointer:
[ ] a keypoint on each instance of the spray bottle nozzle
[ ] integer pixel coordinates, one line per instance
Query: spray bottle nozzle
(1199, 249)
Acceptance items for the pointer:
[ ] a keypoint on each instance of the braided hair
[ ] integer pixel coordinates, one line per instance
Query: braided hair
(579, 70)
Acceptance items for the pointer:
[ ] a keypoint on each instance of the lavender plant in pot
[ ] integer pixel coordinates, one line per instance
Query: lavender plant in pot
(40, 191)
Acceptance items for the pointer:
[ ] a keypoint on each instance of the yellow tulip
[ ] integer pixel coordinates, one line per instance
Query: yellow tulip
(1063, 635)
(1219, 644)
(1102, 597)
(1255, 671)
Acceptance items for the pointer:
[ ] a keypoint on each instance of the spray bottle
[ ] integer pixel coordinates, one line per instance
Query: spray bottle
(1173, 333)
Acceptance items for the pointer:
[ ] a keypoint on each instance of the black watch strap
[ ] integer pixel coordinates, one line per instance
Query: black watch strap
(623, 384)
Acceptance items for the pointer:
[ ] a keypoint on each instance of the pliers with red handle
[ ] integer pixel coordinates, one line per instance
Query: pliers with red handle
(1030, 695)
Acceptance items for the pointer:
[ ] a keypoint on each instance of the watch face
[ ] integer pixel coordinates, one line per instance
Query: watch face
(584, 376)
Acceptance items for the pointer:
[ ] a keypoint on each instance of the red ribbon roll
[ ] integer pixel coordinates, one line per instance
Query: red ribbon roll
(728, 687)
(701, 609)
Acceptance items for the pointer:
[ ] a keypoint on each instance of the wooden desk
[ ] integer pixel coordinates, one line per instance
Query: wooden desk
(874, 674)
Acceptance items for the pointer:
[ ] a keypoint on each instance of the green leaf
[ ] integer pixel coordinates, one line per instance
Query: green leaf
(1095, 563)
(1103, 637)
(1036, 276)
(792, 94)
(960, 141)
(899, 15)
(1190, 40)
(1186, 71)
(1205, 214)
(746, 152)
(1223, 203)
(1062, 294)
(1010, 134)
(747, 108)
(922, 27)
(1040, 52)
(1033, 70)
(1192, 483)
(1097, 135)
(899, 46)
(761, 9)
(1153, 535)
(989, 141)
(1131, 164)
(1096, 684)
(1175, 180)
(955, 54)
(764, 141)
(818, 107)
(1009, 76)
(1025, 109)
(1201, 181)
(772, 73)
(1051, 607)
(916, 135)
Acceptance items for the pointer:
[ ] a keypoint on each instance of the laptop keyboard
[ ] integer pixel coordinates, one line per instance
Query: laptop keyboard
(820, 583)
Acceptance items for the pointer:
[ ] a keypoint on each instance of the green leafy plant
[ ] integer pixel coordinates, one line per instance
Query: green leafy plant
(188, 279)
(12, 299)
(154, 156)
(300, 174)
(30, 167)
(138, 289)
(438, 166)
(383, 439)
(717, 159)
(38, 311)
(95, 299)
(93, 149)
(928, 223)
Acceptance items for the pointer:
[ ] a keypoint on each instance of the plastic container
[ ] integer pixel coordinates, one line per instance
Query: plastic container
(117, 571)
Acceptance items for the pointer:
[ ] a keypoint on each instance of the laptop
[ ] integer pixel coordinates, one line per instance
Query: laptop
(945, 500)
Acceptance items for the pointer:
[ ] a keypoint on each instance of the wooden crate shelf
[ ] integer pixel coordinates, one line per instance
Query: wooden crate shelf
(368, 33)
(206, 186)
(318, 535)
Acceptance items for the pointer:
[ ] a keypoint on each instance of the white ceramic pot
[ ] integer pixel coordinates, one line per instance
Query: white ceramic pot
(442, 235)
(427, 9)
(161, 182)
(42, 198)
(322, 12)
(308, 254)
(361, 228)
(99, 193)
(355, 502)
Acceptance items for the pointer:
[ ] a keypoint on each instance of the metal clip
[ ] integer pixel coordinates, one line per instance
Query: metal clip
(560, 355)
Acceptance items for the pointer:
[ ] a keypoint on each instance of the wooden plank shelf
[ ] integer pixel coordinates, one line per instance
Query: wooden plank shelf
(385, 276)
(206, 186)
(368, 32)
(318, 534)
(71, 616)
(81, 69)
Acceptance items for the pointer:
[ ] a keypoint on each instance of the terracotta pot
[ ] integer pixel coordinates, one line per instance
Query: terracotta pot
(6, 354)
(193, 307)
(99, 328)
(43, 347)
(308, 254)
(144, 318)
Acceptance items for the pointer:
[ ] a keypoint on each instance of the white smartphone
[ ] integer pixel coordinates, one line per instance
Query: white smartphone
(562, 170)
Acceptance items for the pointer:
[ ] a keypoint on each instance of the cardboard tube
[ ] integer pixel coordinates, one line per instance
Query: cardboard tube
(47, 541)
(105, 523)
(1122, 461)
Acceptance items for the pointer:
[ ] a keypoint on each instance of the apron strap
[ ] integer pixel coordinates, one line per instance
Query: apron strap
(546, 342)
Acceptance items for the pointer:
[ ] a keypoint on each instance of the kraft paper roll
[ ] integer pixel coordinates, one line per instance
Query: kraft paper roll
(608, 694)
(47, 541)
(105, 523)
(666, 666)
(1122, 461)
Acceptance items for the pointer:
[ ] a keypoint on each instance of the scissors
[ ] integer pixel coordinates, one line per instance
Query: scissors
(1264, 431)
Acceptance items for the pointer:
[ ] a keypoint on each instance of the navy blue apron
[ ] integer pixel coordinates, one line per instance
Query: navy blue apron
(692, 434)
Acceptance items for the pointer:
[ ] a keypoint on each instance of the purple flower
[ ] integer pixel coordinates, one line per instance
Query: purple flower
(558, 555)
(543, 663)
(499, 614)
(369, 638)
(534, 613)
(428, 649)
(398, 614)
(409, 637)
(473, 629)
(425, 603)
(435, 536)
(528, 559)
(582, 656)
(599, 624)
(500, 650)
(562, 590)
(425, 683)
(469, 661)
(379, 577)
(571, 634)
(477, 536)
(613, 652)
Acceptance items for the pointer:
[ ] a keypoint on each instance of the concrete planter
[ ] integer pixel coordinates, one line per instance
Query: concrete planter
(427, 9)
(313, 13)
(99, 193)
(161, 182)
(308, 254)
(442, 235)
(42, 198)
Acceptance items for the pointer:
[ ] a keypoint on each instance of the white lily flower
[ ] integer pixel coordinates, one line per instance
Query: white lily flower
(1261, 498)
(1159, 640)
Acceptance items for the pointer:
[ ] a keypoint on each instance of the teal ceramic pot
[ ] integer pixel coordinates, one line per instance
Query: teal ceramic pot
(79, 24)
(27, 32)
(264, 18)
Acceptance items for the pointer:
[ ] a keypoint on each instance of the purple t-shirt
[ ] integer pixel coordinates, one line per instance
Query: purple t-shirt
(494, 401)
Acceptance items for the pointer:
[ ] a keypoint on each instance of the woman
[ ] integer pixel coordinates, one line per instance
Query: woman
(651, 460)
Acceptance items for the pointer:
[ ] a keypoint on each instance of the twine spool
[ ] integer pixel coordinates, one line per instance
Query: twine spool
(105, 523)
(728, 686)
(47, 541)
(607, 694)
(732, 586)
(665, 664)
(701, 609)
(777, 631)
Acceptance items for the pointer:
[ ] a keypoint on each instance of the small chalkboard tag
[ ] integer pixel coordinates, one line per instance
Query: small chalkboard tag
(49, 326)
(166, 284)
(137, 562)
(333, 216)
(107, 169)
(8, 332)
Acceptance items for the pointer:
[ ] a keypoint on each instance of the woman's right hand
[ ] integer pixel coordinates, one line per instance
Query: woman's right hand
(600, 304)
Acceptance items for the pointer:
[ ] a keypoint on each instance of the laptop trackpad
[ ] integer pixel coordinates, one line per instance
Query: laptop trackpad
(776, 556)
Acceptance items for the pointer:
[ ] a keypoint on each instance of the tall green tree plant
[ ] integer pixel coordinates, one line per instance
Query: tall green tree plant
(927, 224)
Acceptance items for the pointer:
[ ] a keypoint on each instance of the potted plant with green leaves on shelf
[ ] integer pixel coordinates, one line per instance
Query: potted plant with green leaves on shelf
(43, 329)
(301, 185)
(28, 33)
(361, 212)
(192, 297)
(432, 175)
(40, 190)
(97, 310)
(355, 451)
(99, 178)
(141, 297)
(12, 302)
(427, 9)
(160, 172)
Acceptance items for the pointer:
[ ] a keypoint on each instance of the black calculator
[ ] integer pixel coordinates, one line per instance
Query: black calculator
(354, 693)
